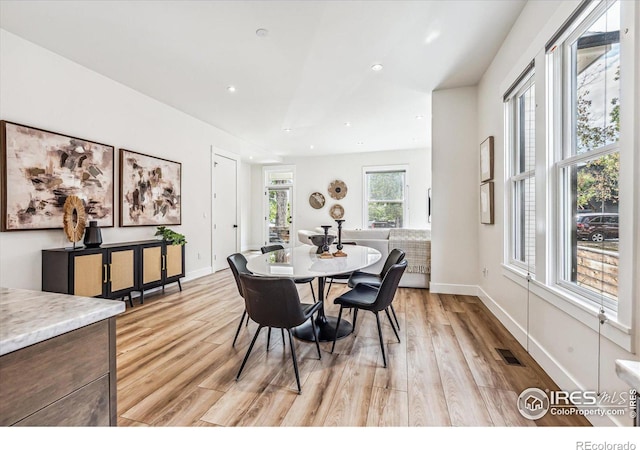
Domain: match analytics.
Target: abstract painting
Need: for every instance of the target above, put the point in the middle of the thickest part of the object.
(40, 169)
(149, 190)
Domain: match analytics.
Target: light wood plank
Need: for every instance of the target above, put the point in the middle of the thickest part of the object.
(466, 408)
(389, 408)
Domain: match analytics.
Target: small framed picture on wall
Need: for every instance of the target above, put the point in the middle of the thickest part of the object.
(486, 160)
(486, 202)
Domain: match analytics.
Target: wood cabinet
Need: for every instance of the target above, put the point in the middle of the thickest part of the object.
(160, 264)
(68, 380)
(112, 270)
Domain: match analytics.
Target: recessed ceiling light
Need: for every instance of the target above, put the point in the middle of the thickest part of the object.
(432, 36)
(262, 32)
(419, 117)
(376, 67)
(231, 88)
(250, 157)
(287, 130)
(347, 124)
(311, 147)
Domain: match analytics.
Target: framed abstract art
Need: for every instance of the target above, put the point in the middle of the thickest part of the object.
(150, 190)
(41, 168)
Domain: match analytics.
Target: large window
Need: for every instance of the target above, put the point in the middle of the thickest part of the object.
(385, 203)
(588, 156)
(520, 107)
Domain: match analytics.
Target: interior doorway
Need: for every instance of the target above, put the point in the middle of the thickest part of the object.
(225, 210)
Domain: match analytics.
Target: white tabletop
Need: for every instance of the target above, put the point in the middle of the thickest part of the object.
(303, 262)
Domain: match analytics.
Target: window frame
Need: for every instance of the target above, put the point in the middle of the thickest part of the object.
(562, 71)
(514, 176)
(365, 191)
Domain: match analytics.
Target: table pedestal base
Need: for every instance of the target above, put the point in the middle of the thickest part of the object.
(325, 327)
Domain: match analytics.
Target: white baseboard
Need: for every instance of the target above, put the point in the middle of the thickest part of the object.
(454, 289)
(198, 273)
(194, 274)
(549, 364)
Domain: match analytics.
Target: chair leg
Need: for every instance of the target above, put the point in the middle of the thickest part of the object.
(355, 317)
(384, 358)
(246, 357)
(393, 311)
(295, 360)
(315, 336)
(335, 335)
(282, 333)
(268, 338)
(329, 288)
(392, 325)
(239, 326)
(313, 294)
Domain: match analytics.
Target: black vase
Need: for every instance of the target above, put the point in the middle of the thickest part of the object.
(92, 235)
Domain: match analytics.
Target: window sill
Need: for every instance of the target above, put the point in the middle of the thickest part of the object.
(583, 311)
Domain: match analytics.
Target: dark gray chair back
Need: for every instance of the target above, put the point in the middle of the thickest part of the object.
(389, 286)
(272, 302)
(395, 256)
(238, 264)
(270, 248)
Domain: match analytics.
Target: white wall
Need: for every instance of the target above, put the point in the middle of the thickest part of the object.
(455, 195)
(316, 173)
(567, 348)
(44, 90)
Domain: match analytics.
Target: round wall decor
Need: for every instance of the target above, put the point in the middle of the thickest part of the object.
(316, 200)
(337, 189)
(74, 218)
(336, 211)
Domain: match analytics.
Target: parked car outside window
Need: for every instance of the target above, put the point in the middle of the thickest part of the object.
(597, 227)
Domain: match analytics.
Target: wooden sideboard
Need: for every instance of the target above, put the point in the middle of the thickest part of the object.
(112, 270)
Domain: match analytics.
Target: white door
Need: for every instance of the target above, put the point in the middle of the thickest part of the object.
(225, 211)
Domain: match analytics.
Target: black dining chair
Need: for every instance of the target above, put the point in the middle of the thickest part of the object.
(370, 298)
(395, 256)
(238, 264)
(274, 247)
(275, 303)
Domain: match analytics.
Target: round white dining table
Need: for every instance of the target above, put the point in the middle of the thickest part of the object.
(303, 262)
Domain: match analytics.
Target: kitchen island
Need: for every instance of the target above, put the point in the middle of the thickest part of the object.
(57, 359)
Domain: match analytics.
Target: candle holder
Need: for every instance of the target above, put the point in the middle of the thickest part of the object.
(325, 246)
(339, 253)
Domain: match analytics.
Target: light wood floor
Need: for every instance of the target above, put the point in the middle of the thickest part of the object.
(176, 366)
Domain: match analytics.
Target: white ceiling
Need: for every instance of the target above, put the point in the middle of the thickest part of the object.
(311, 73)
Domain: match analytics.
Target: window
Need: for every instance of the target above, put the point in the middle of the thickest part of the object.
(588, 155)
(385, 204)
(520, 108)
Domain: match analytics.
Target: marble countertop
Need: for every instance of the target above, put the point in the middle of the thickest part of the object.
(29, 317)
(629, 371)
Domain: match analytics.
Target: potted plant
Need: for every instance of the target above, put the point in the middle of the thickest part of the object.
(170, 236)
